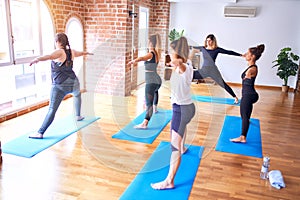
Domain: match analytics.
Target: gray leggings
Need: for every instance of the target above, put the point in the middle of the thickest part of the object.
(58, 92)
(182, 115)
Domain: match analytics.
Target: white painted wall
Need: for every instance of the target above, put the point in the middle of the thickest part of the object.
(276, 25)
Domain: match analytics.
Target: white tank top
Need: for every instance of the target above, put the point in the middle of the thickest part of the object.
(181, 85)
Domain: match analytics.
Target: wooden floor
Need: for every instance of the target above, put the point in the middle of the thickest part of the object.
(91, 165)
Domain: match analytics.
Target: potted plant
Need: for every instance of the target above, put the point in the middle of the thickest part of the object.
(286, 66)
(173, 35)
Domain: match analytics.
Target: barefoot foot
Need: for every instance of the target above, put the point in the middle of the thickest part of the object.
(79, 118)
(36, 136)
(162, 185)
(140, 126)
(240, 139)
(155, 109)
(236, 100)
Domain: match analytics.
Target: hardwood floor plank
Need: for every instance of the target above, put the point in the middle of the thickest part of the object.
(91, 165)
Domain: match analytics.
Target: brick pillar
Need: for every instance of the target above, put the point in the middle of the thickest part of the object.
(108, 34)
(105, 31)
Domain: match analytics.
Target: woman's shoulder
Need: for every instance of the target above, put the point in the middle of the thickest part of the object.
(254, 66)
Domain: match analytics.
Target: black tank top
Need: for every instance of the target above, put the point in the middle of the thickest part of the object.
(151, 64)
(248, 83)
(62, 71)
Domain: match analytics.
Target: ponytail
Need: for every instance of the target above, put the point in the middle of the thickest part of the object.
(62, 38)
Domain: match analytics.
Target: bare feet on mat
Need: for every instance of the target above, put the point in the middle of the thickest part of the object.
(240, 139)
(36, 136)
(236, 100)
(140, 126)
(155, 109)
(79, 118)
(162, 185)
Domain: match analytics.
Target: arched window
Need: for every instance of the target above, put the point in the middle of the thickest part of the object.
(74, 31)
(27, 32)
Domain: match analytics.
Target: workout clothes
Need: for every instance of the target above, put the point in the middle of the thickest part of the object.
(248, 84)
(182, 105)
(153, 83)
(151, 75)
(209, 68)
(249, 97)
(62, 71)
(180, 86)
(64, 81)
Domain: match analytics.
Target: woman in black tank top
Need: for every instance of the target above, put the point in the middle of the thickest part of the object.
(64, 80)
(152, 79)
(249, 94)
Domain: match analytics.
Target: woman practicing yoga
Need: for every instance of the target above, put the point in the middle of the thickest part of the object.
(249, 94)
(210, 52)
(183, 107)
(153, 80)
(64, 80)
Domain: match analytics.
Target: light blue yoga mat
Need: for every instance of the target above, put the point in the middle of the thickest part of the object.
(156, 169)
(210, 99)
(58, 130)
(232, 129)
(156, 124)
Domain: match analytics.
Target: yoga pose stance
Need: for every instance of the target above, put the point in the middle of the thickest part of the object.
(182, 105)
(153, 80)
(249, 94)
(210, 52)
(64, 80)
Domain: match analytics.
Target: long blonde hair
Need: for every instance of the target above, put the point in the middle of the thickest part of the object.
(156, 42)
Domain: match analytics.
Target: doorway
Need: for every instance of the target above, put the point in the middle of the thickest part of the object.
(143, 42)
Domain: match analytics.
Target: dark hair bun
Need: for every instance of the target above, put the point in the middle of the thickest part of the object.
(261, 48)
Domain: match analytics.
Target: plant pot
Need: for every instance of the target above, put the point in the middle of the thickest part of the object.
(285, 88)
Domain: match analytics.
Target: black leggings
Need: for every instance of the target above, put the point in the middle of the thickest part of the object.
(215, 75)
(246, 108)
(151, 95)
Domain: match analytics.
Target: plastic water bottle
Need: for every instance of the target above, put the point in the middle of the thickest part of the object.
(265, 168)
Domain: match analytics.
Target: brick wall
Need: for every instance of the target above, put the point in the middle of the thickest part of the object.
(108, 34)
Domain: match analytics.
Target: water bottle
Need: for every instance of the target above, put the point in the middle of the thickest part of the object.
(265, 168)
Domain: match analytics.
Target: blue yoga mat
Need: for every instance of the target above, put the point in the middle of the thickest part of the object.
(211, 99)
(232, 129)
(156, 124)
(58, 130)
(157, 168)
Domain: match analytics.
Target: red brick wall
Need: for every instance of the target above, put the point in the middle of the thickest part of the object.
(108, 34)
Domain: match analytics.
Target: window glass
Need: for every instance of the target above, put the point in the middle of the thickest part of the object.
(47, 29)
(24, 28)
(4, 47)
(74, 32)
(20, 84)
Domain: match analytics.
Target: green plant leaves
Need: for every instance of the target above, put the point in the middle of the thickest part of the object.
(286, 64)
(175, 35)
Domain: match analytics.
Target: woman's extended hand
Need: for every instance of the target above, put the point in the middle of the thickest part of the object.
(131, 62)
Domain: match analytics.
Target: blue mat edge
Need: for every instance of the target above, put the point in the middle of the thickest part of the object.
(46, 147)
(211, 99)
(220, 149)
(163, 143)
(148, 140)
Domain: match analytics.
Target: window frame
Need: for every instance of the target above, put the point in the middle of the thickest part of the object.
(11, 50)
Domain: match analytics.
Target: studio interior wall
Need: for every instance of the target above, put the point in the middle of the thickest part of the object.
(274, 25)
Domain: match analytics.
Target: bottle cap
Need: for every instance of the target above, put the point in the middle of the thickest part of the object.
(266, 159)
